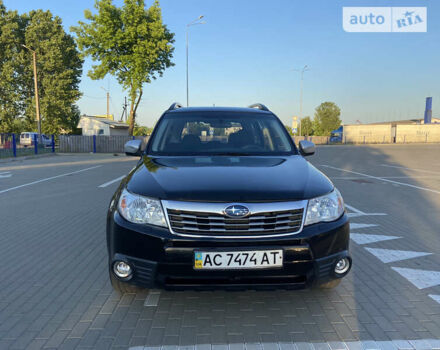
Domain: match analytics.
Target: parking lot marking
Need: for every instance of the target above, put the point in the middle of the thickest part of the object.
(152, 298)
(355, 215)
(355, 225)
(420, 278)
(412, 169)
(354, 209)
(361, 238)
(383, 179)
(358, 212)
(112, 181)
(48, 178)
(5, 174)
(391, 255)
(435, 297)
(351, 178)
(93, 161)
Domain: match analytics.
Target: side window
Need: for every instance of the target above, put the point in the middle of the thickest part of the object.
(101, 132)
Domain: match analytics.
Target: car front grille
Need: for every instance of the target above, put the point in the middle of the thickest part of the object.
(215, 224)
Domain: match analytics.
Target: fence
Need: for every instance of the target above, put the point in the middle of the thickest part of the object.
(425, 133)
(96, 144)
(368, 133)
(391, 133)
(12, 145)
(115, 144)
(317, 140)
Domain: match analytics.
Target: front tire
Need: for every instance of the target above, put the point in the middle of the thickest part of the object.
(123, 287)
(330, 285)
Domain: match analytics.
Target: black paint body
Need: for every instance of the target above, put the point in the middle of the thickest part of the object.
(165, 260)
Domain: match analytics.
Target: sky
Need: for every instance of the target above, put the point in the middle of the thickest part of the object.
(251, 50)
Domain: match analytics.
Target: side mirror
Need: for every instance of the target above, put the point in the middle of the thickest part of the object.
(133, 148)
(306, 148)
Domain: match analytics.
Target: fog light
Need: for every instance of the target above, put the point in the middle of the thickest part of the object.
(342, 266)
(122, 269)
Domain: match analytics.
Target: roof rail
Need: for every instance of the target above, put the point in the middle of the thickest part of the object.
(175, 105)
(259, 106)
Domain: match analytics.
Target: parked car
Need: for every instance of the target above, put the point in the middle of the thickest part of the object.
(46, 140)
(27, 139)
(239, 207)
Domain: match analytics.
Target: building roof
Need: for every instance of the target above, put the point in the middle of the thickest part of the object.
(113, 124)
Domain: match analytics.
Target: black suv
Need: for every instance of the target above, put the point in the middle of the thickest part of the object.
(222, 198)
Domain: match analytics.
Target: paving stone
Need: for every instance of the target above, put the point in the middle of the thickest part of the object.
(60, 297)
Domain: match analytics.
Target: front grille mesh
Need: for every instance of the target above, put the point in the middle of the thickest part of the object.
(201, 223)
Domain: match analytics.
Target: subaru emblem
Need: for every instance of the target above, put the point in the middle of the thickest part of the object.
(236, 211)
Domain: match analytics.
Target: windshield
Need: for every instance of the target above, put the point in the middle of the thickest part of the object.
(220, 134)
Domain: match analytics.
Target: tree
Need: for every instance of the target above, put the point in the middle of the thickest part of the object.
(59, 70)
(289, 130)
(306, 126)
(141, 130)
(326, 118)
(11, 94)
(128, 42)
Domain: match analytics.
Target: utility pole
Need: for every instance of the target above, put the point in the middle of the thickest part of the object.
(108, 105)
(124, 110)
(304, 69)
(37, 101)
(196, 21)
(108, 101)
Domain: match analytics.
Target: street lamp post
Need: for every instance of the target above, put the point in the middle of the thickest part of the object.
(37, 102)
(304, 69)
(196, 21)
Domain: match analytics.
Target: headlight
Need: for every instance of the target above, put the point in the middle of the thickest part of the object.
(141, 210)
(326, 208)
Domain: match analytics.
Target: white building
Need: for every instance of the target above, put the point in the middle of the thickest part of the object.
(101, 125)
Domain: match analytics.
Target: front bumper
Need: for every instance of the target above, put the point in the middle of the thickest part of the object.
(161, 259)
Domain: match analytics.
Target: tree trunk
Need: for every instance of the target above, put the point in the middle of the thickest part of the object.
(131, 119)
(133, 108)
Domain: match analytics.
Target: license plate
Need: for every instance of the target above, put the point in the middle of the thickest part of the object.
(255, 259)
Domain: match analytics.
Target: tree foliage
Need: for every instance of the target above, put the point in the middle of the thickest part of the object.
(59, 68)
(128, 42)
(306, 126)
(141, 130)
(326, 118)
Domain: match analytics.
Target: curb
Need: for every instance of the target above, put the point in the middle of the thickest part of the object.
(15, 159)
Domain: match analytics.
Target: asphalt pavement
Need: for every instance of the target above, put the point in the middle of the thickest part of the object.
(55, 293)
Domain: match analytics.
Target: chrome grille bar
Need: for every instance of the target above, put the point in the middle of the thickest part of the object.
(199, 219)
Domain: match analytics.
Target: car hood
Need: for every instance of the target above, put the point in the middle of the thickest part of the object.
(227, 179)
